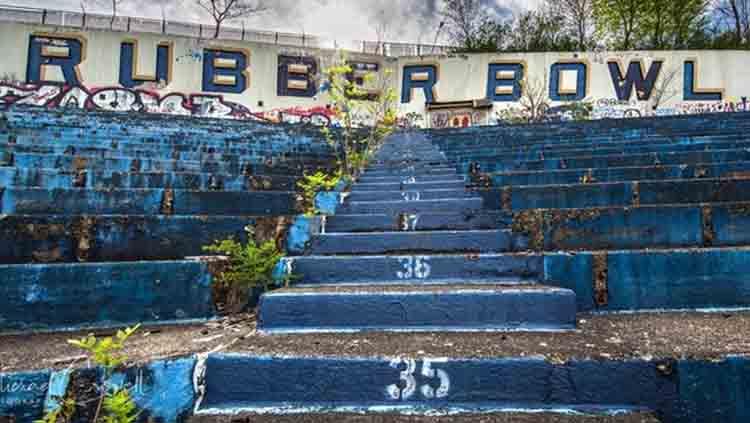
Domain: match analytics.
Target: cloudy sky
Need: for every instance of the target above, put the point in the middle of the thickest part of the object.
(409, 20)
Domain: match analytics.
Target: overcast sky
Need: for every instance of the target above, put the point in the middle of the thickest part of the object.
(410, 20)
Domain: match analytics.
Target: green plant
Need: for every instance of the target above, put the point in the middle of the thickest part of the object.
(62, 414)
(120, 408)
(311, 185)
(250, 265)
(366, 116)
(104, 352)
(117, 404)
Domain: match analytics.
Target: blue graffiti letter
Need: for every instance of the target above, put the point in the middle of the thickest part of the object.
(501, 86)
(420, 76)
(644, 85)
(129, 77)
(52, 50)
(693, 93)
(224, 71)
(295, 76)
(556, 93)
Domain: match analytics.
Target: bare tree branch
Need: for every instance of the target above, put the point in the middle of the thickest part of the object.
(223, 10)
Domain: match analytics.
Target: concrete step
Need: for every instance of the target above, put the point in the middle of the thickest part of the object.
(620, 174)
(56, 178)
(453, 184)
(621, 194)
(470, 269)
(44, 297)
(408, 180)
(584, 149)
(246, 383)
(652, 362)
(625, 228)
(410, 193)
(511, 415)
(713, 157)
(423, 242)
(446, 205)
(121, 164)
(411, 171)
(145, 202)
(102, 238)
(418, 222)
(417, 309)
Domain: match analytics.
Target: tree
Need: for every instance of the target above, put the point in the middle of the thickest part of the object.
(577, 17)
(538, 31)
(223, 10)
(356, 139)
(619, 19)
(469, 25)
(736, 13)
(672, 24)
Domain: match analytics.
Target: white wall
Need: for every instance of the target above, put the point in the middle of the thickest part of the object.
(460, 77)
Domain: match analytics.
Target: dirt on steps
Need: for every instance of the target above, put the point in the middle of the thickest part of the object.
(645, 336)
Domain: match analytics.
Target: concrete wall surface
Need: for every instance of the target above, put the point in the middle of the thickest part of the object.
(220, 78)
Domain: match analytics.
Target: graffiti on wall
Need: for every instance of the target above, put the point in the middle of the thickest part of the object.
(458, 119)
(119, 99)
(612, 108)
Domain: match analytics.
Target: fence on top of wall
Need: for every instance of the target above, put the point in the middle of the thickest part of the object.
(81, 20)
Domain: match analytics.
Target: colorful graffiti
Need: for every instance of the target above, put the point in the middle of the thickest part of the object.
(119, 99)
(612, 108)
(458, 119)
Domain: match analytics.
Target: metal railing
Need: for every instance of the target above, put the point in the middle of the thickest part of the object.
(81, 20)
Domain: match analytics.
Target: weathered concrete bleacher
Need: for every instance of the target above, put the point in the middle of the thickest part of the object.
(484, 274)
(84, 193)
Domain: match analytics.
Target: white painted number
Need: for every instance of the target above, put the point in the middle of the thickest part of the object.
(410, 222)
(408, 382)
(414, 267)
(411, 196)
(407, 386)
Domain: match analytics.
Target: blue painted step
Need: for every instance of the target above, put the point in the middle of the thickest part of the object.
(72, 296)
(618, 174)
(412, 207)
(408, 308)
(272, 385)
(408, 180)
(469, 269)
(418, 222)
(444, 184)
(492, 241)
(410, 193)
(152, 201)
(407, 171)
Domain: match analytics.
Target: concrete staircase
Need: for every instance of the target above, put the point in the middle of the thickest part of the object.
(484, 274)
(416, 258)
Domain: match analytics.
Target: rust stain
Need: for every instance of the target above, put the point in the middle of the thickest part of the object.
(506, 198)
(531, 224)
(601, 279)
(79, 163)
(736, 175)
(636, 194)
(47, 256)
(79, 178)
(588, 177)
(709, 233)
(272, 229)
(135, 165)
(83, 234)
(167, 202)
